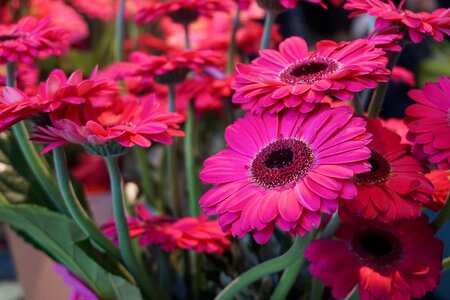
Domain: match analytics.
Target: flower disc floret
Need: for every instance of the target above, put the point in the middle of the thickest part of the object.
(284, 169)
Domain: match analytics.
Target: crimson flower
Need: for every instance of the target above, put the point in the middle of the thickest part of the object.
(284, 169)
(441, 182)
(434, 24)
(428, 122)
(31, 38)
(395, 188)
(293, 77)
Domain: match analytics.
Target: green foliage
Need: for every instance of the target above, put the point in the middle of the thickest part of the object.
(59, 236)
(437, 65)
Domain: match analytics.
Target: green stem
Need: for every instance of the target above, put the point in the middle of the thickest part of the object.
(376, 103)
(353, 295)
(316, 290)
(232, 48)
(444, 215)
(331, 227)
(147, 285)
(76, 209)
(446, 264)
(274, 265)
(357, 105)
(268, 23)
(3, 200)
(38, 165)
(187, 43)
(119, 32)
(189, 160)
(146, 178)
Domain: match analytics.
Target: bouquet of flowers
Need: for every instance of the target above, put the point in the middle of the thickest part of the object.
(305, 191)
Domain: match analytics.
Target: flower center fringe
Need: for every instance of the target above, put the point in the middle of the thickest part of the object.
(376, 247)
(10, 37)
(281, 162)
(380, 172)
(309, 70)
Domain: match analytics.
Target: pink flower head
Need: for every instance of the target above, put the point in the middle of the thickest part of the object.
(80, 291)
(434, 24)
(169, 68)
(284, 169)
(428, 122)
(26, 75)
(387, 39)
(395, 188)
(97, 9)
(398, 261)
(280, 5)
(180, 11)
(124, 123)
(248, 37)
(293, 77)
(441, 182)
(403, 75)
(31, 38)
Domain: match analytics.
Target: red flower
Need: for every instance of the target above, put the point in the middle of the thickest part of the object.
(396, 261)
(403, 75)
(127, 122)
(180, 11)
(31, 38)
(419, 24)
(428, 122)
(294, 77)
(284, 169)
(441, 182)
(395, 188)
(26, 75)
(248, 37)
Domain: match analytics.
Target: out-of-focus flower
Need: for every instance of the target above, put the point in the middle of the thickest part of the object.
(284, 169)
(434, 24)
(92, 173)
(295, 78)
(395, 188)
(402, 75)
(428, 122)
(80, 291)
(31, 38)
(387, 39)
(26, 75)
(280, 5)
(248, 37)
(180, 11)
(398, 261)
(441, 182)
(97, 9)
(126, 122)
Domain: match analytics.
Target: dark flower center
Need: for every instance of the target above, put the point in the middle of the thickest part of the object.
(184, 15)
(309, 70)
(380, 172)
(376, 247)
(281, 162)
(9, 37)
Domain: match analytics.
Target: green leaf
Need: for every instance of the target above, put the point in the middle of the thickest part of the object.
(58, 235)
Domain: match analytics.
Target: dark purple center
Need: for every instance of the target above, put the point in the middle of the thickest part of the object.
(380, 172)
(281, 162)
(9, 37)
(309, 70)
(376, 247)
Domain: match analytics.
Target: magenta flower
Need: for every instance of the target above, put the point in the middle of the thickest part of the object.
(284, 170)
(293, 77)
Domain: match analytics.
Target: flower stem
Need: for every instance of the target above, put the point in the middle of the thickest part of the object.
(3, 200)
(189, 160)
(274, 265)
(353, 295)
(119, 32)
(268, 23)
(76, 209)
(331, 227)
(187, 43)
(357, 105)
(146, 179)
(232, 48)
(316, 290)
(444, 215)
(38, 165)
(147, 284)
(446, 264)
(376, 103)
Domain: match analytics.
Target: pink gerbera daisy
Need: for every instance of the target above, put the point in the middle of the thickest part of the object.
(441, 182)
(395, 188)
(180, 11)
(434, 24)
(294, 77)
(124, 123)
(284, 170)
(30, 38)
(428, 122)
(281, 5)
(397, 261)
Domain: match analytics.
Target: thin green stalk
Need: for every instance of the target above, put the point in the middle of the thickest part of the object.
(376, 103)
(353, 295)
(146, 178)
(443, 216)
(38, 165)
(316, 290)
(171, 159)
(331, 227)
(268, 24)
(189, 160)
(232, 48)
(3, 200)
(357, 104)
(274, 265)
(446, 264)
(119, 32)
(147, 284)
(187, 43)
(76, 209)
